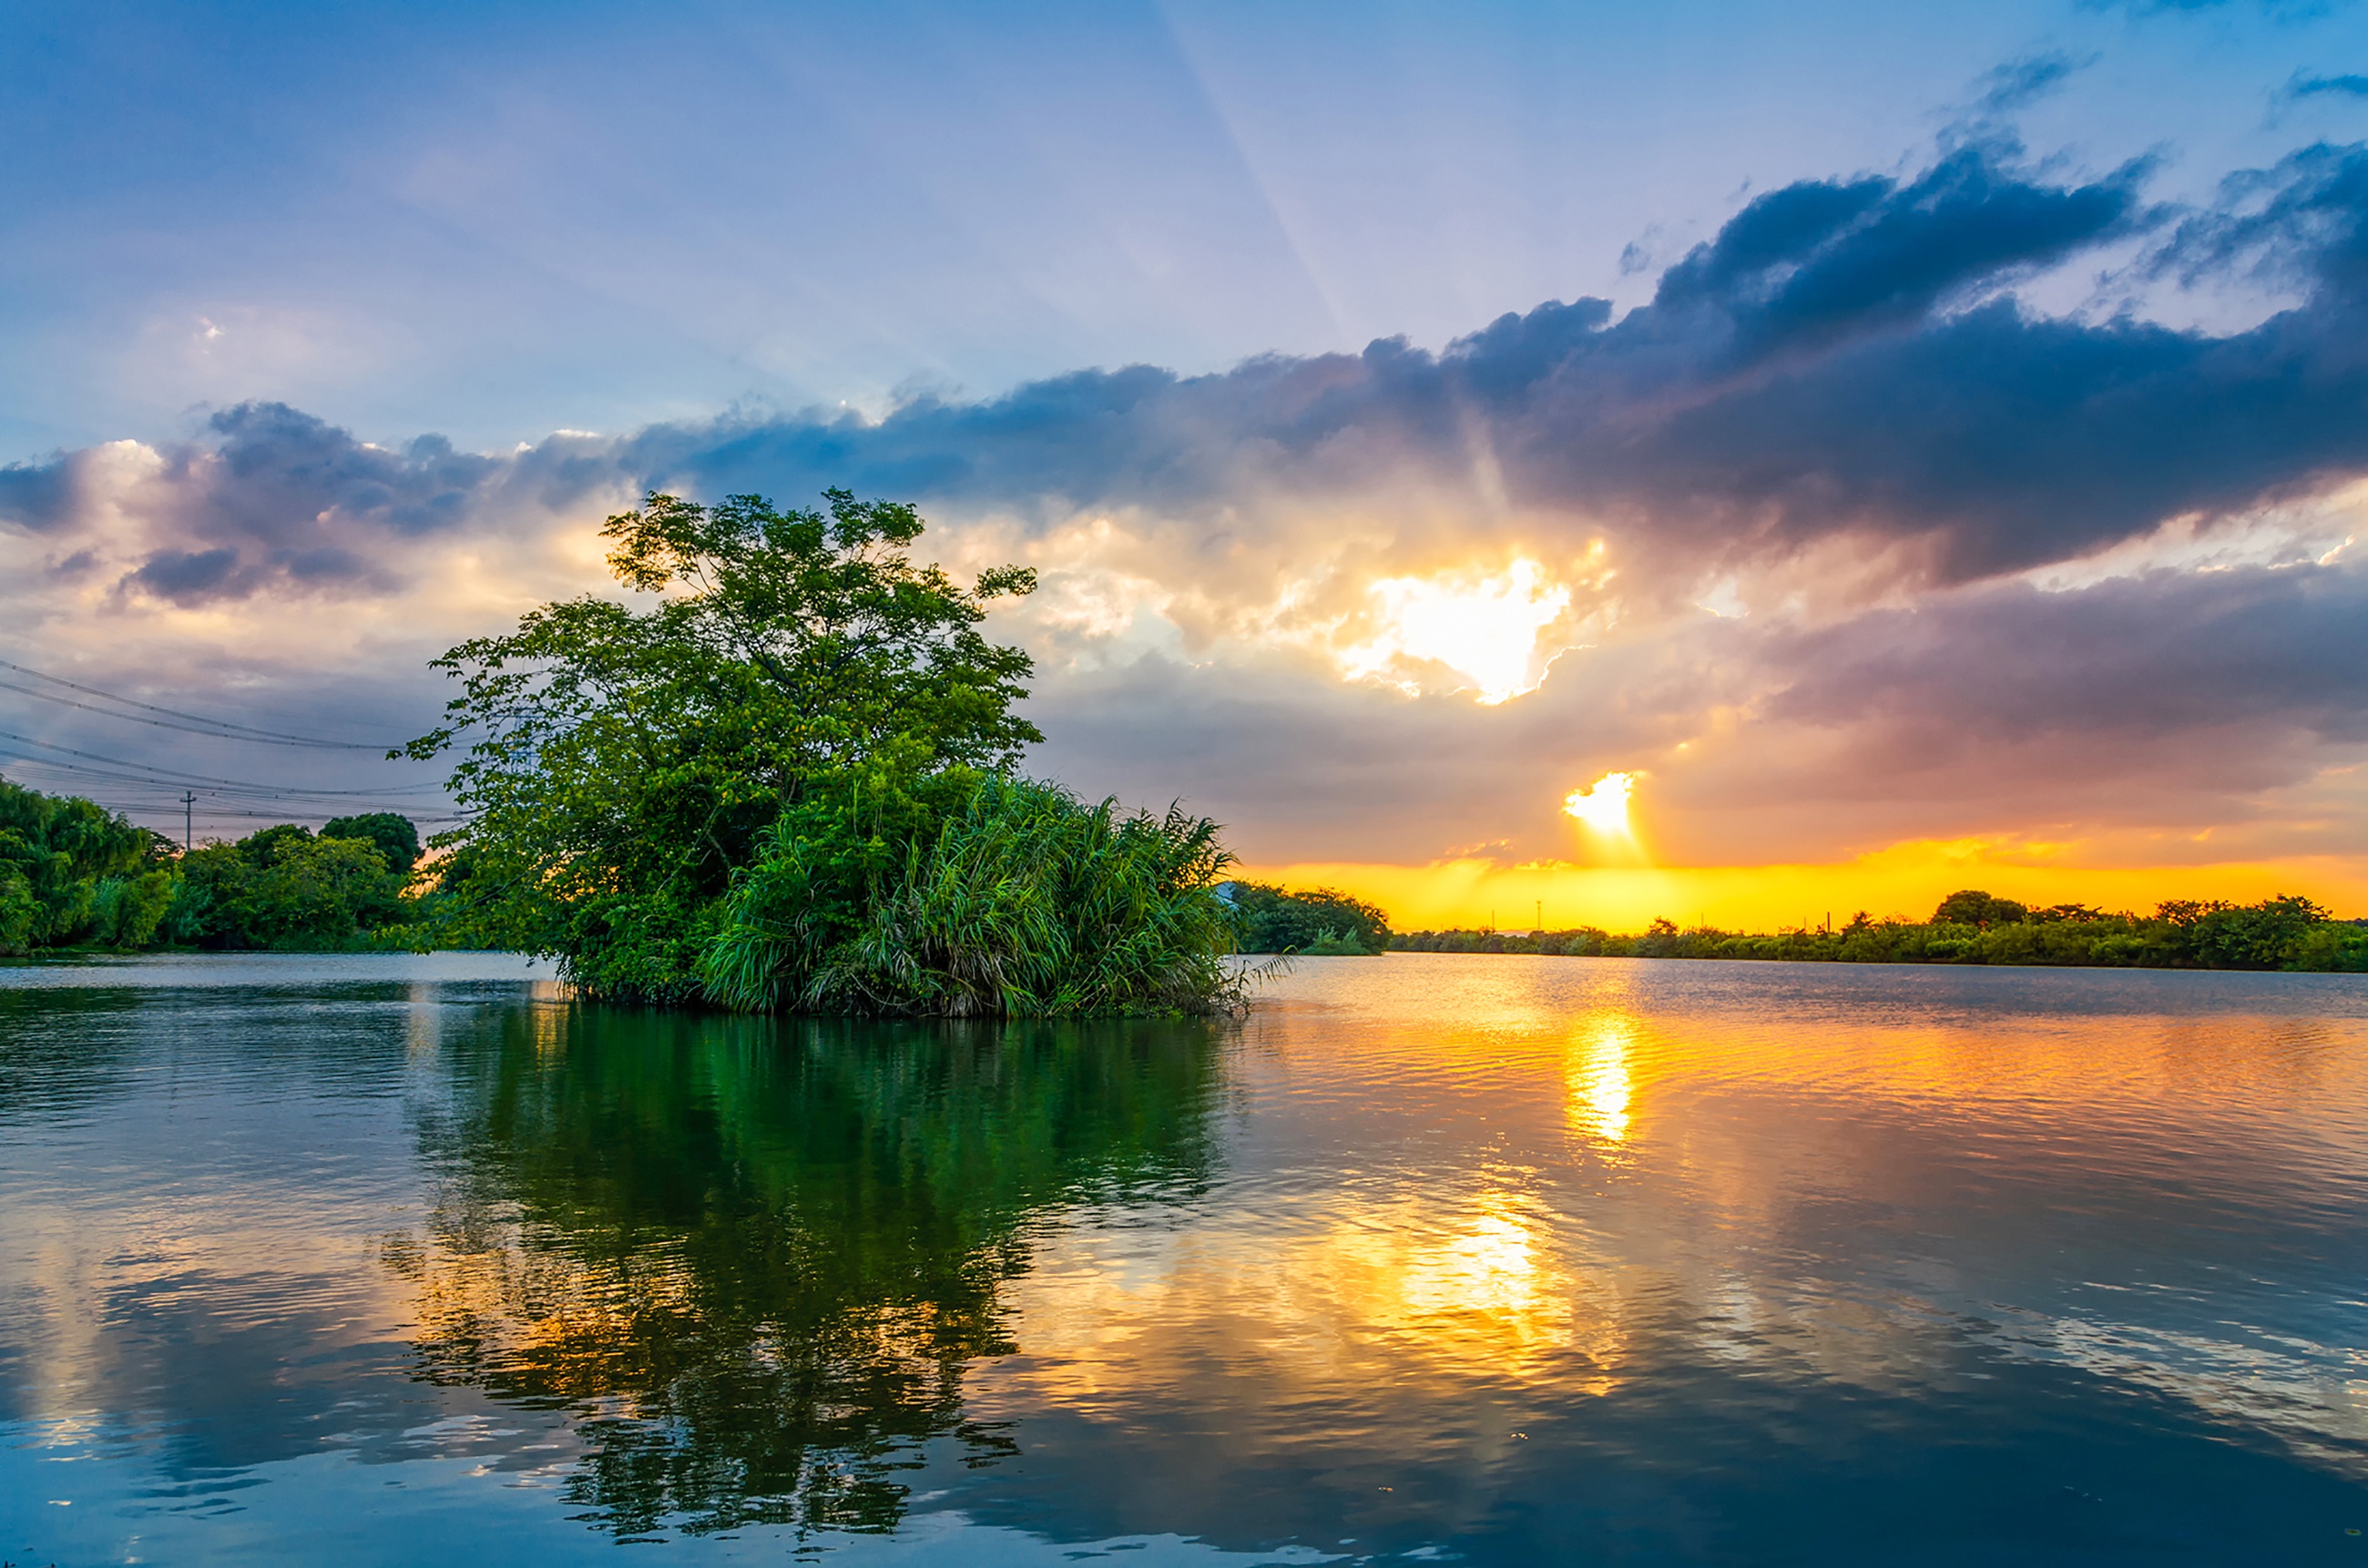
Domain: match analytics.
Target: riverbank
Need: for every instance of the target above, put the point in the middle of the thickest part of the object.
(2277, 934)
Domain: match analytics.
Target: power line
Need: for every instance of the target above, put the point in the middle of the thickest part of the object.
(222, 729)
(152, 782)
(119, 802)
(161, 795)
(164, 776)
(119, 799)
(200, 728)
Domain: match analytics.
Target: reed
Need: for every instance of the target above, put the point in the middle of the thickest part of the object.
(1024, 902)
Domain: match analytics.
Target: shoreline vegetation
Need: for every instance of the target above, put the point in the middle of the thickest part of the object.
(76, 879)
(1972, 928)
(1318, 923)
(75, 876)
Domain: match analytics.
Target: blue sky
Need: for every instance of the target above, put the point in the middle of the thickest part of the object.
(491, 221)
(1895, 436)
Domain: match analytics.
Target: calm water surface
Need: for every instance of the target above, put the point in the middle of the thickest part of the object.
(1489, 1260)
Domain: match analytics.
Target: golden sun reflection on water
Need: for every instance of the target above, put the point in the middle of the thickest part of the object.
(1374, 1296)
(1598, 1084)
(1631, 1150)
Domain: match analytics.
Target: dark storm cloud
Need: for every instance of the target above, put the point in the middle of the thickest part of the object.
(275, 497)
(1821, 263)
(284, 497)
(36, 495)
(1841, 358)
(2162, 654)
(188, 576)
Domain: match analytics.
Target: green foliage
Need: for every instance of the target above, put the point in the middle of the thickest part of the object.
(626, 764)
(2334, 946)
(1268, 919)
(2278, 933)
(1023, 901)
(322, 894)
(265, 846)
(72, 873)
(1972, 906)
(396, 839)
(128, 910)
(284, 888)
(2268, 934)
(787, 785)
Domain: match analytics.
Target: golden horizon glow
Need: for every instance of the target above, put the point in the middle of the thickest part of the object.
(1483, 627)
(1905, 879)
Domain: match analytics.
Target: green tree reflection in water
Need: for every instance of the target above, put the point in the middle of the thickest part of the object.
(754, 1256)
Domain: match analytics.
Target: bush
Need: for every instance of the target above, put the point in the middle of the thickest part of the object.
(1025, 901)
(282, 887)
(1343, 944)
(1270, 919)
(65, 866)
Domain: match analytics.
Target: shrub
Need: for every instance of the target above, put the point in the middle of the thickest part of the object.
(1025, 901)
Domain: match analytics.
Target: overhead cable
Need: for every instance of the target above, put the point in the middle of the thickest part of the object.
(173, 718)
(164, 776)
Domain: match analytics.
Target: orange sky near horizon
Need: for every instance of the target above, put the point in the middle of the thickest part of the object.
(1906, 879)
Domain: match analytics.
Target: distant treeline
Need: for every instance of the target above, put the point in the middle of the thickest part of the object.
(1972, 928)
(74, 875)
(1319, 923)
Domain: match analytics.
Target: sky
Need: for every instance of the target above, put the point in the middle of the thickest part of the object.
(1579, 462)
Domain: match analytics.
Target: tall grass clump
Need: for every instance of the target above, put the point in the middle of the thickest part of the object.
(1022, 902)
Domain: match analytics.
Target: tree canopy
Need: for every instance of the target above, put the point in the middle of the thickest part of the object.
(286, 887)
(71, 871)
(1971, 927)
(396, 837)
(750, 782)
(73, 874)
(1318, 921)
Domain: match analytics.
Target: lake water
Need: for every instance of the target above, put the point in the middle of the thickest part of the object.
(1433, 1258)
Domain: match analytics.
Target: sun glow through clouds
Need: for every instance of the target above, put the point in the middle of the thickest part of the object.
(1604, 805)
(1485, 628)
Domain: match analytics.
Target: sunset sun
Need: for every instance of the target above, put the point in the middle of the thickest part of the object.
(1603, 806)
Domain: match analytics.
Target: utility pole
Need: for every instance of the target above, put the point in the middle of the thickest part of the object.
(1541, 926)
(188, 809)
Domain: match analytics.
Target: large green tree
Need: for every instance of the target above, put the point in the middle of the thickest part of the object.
(396, 837)
(622, 763)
